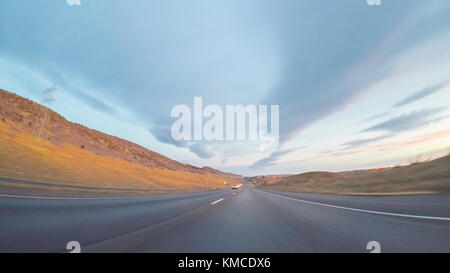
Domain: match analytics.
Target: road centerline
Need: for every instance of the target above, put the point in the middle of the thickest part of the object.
(217, 201)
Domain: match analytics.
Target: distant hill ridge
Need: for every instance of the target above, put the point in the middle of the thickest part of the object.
(422, 177)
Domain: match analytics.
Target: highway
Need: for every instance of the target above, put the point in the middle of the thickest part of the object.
(247, 220)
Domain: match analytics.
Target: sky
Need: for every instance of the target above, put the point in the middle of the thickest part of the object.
(358, 86)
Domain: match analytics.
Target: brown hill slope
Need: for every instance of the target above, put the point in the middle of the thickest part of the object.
(36, 143)
(425, 177)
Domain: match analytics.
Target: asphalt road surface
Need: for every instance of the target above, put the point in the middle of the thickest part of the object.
(247, 220)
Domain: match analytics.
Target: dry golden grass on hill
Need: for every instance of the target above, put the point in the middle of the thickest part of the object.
(41, 121)
(424, 177)
(28, 157)
(38, 144)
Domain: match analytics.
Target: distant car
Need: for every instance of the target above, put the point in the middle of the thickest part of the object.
(235, 187)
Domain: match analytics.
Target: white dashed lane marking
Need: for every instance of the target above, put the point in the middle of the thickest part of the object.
(217, 201)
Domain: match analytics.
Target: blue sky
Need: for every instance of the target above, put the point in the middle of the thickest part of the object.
(358, 86)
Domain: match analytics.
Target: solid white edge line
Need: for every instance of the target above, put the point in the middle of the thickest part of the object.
(217, 201)
(68, 198)
(363, 210)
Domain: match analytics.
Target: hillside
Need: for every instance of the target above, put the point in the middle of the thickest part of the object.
(38, 144)
(264, 179)
(424, 177)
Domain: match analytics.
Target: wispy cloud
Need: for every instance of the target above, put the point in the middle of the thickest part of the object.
(161, 132)
(413, 142)
(201, 150)
(271, 159)
(422, 93)
(412, 120)
(374, 117)
(364, 141)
